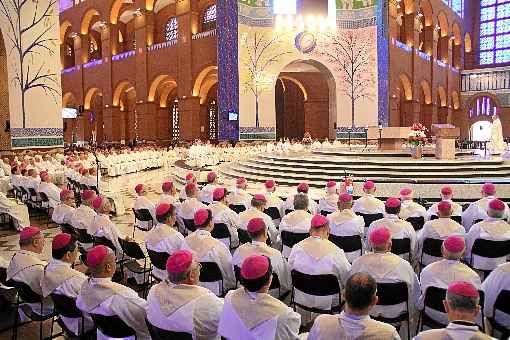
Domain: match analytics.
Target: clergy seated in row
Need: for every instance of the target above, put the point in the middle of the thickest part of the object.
(100, 296)
(190, 179)
(206, 194)
(354, 321)
(189, 207)
(386, 267)
(258, 205)
(26, 267)
(446, 194)
(316, 255)
(222, 214)
(438, 229)
(409, 208)
(442, 273)
(169, 194)
(32, 180)
(106, 190)
(297, 221)
(497, 282)
(368, 203)
(477, 210)
(59, 278)
(494, 228)
(102, 226)
(400, 229)
(250, 313)
(328, 203)
(164, 238)
(17, 211)
(239, 197)
(142, 202)
(51, 191)
(462, 306)
(344, 222)
(179, 304)
(63, 212)
(302, 189)
(207, 249)
(83, 216)
(273, 201)
(258, 232)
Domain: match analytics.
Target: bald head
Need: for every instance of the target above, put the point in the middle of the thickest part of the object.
(106, 268)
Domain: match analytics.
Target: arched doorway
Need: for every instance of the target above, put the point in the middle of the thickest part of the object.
(305, 100)
(480, 131)
(206, 88)
(5, 136)
(124, 98)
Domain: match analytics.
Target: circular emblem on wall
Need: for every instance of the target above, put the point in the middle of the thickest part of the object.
(305, 42)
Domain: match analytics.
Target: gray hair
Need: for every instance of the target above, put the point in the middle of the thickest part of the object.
(177, 278)
(462, 303)
(300, 202)
(495, 213)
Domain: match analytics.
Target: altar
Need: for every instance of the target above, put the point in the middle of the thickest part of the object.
(390, 138)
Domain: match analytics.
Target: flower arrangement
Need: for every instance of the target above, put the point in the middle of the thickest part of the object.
(418, 135)
(307, 138)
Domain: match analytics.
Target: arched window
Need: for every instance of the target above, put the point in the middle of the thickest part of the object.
(456, 5)
(171, 29)
(213, 120)
(209, 19)
(174, 114)
(494, 32)
(482, 106)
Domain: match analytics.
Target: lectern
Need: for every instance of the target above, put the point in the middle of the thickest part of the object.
(446, 134)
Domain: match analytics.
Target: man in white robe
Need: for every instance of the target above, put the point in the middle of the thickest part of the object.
(477, 211)
(178, 304)
(258, 205)
(494, 228)
(63, 213)
(316, 255)
(443, 272)
(250, 313)
(462, 305)
(190, 179)
(297, 221)
(258, 233)
(169, 194)
(438, 229)
(239, 196)
(497, 143)
(273, 201)
(344, 222)
(61, 279)
(446, 195)
(302, 188)
(409, 208)
(83, 216)
(386, 267)
(99, 295)
(187, 209)
(142, 202)
(207, 249)
(496, 282)
(17, 211)
(354, 322)
(368, 203)
(224, 215)
(328, 203)
(49, 189)
(206, 194)
(163, 238)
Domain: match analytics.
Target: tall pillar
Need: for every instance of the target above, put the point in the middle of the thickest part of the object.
(189, 118)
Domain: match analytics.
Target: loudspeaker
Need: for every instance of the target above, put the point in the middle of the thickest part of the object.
(7, 126)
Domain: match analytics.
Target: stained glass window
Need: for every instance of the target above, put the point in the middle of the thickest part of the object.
(483, 106)
(213, 119)
(174, 112)
(171, 29)
(456, 5)
(209, 19)
(494, 31)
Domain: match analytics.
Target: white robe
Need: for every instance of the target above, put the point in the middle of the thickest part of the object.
(62, 214)
(163, 239)
(497, 143)
(296, 222)
(399, 229)
(246, 216)
(52, 192)
(223, 214)
(18, 212)
(490, 229)
(497, 281)
(102, 226)
(187, 211)
(347, 223)
(478, 211)
(453, 331)
(142, 202)
(368, 204)
(432, 211)
(328, 203)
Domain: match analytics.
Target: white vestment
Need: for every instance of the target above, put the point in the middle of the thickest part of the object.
(490, 229)
(497, 281)
(163, 239)
(18, 212)
(347, 223)
(497, 143)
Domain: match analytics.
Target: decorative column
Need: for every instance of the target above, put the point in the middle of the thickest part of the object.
(382, 61)
(142, 115)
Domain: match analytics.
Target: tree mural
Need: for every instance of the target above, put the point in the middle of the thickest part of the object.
(31, 25)
(351, 53)
(259, 54)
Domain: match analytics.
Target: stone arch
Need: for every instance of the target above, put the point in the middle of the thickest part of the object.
(442, 99)
(455, 100)
(162, 78)
(204, 81)
(427, 12)
(409, 6)
(158, 5)
(298, 84)
(87, 19)
(64, 28)
(427, 93)
(119, 89)
(68, 98)
(442, 21)
(468, 47)
(456, 34)
(89, 95)
(405, 82)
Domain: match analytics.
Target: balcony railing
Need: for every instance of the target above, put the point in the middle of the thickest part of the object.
(70, 69)
(201, 35)
(123, 55)
(162, 45)
(485, 80)
(93, 63)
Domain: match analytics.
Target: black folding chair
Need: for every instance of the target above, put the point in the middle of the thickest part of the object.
(25, 196)
(369, 218)
(457, 219)
(431, 247)
(417, 222)
(238, 208)
(66, 307)
(189, 225)
(390, 294)
(35, 200)
(478, 221)
(158, 260)
(25, 296)
(45, 206)
(501, 305)
(288, 211)
(289, 239)
(9, 316)
(489, 249)
(275, 282)
(401, 246)
(210, 272)
(221, 232)
(68, 229)
(142, 215)
(131, 254)
(326, 213)
(348, 244)
(243, 235)
(273, 212)
(112, 326)
(316, 285)
(84, 237)
(162, 334)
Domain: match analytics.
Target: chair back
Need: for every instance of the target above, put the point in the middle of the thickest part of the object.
(289, 239)
(65, 306)
(158, 259)
(288, 211)
(131, 249)
(143, 215)
(32, 192)
(69, 229)
(273, 212)
(432, 247)
(434, 297)
(24, 291)
(220, 231)
(189, 224)
(238, 208)
(392, 293)
(325, 212)
(502, 300)
(112, 326)
(348, 244)
(417, 222)
(316, 285)
(43, 196)
(369, 218)
(101, 240)
(210, 272)
(162, 334)
(477, 221)
(400, 246)
(491, 249)
(457, 219)
(84, 237)
(243, 235)
(275, 282)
